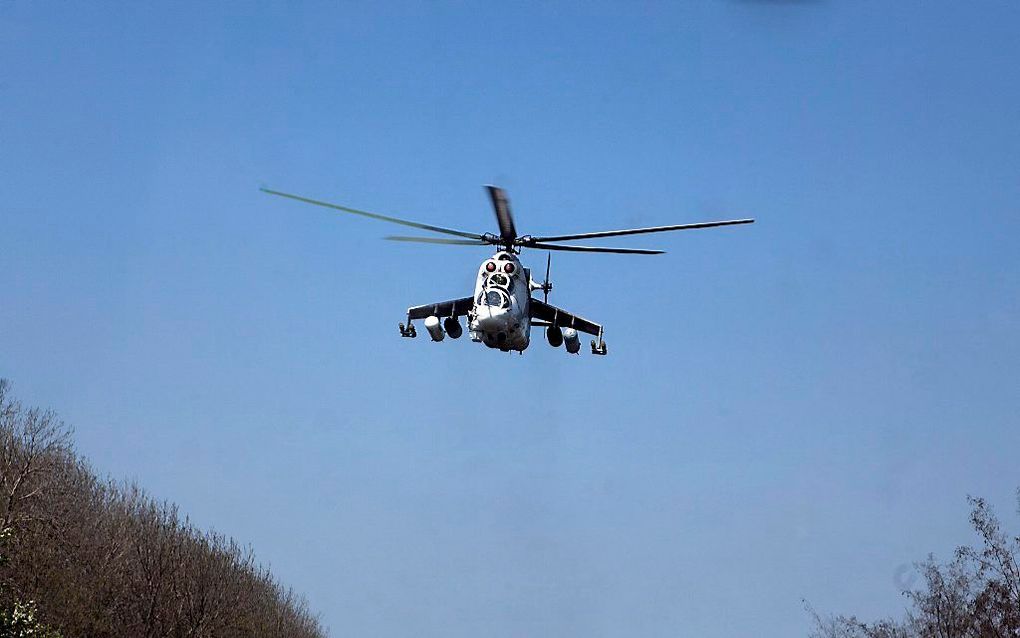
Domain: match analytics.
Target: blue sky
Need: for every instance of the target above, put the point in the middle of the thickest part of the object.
(790, 410)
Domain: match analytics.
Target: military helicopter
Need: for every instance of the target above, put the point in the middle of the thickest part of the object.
(501, 312)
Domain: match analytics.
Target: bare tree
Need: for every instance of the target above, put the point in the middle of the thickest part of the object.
(975, 595)
(104, 559)
(32, 442)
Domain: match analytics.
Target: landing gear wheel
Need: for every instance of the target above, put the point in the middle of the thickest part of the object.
(599, 349)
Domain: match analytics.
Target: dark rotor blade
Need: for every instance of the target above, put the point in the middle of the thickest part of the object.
(437, 240)
(385, 218)
(501, 205)
(651, 229)
(593, 249)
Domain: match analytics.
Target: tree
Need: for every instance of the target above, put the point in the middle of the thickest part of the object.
(19, 621)
(104, 559)
(32, 443)
(975, 595)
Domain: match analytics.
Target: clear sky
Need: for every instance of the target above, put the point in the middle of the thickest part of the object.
(790, 410)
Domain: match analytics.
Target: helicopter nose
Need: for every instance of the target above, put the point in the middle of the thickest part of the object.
(492, 321)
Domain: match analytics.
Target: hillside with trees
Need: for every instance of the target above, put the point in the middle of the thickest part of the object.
(83, 555)
(974, 595)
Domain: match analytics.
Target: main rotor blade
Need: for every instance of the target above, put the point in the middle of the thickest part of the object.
(437, 240)
(651, 229)
(504, 218)
(593, 249)
(385, 218)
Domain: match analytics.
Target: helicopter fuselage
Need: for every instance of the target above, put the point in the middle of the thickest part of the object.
(500, 317)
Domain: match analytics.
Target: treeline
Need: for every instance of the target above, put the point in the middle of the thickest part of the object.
(87, 556)
(975, 595)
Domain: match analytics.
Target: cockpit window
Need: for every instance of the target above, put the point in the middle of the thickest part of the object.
(493, 298)
(503, 257)
(501, 280)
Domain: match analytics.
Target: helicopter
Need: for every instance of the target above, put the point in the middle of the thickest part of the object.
(502, 311)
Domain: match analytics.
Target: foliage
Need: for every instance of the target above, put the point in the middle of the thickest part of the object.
(975, 595)
(20, 620)
(104, 559)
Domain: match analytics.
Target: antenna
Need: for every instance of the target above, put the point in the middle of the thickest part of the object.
(546, 287)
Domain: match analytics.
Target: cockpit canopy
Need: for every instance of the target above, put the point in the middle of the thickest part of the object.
(494, 298)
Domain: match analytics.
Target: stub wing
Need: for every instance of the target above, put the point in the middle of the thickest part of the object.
(453, 308)
(562, 319)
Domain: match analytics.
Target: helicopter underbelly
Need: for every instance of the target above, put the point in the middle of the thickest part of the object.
(503, 330)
